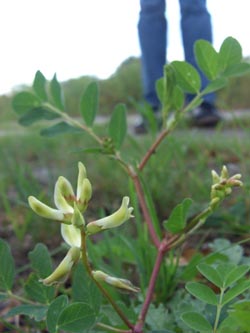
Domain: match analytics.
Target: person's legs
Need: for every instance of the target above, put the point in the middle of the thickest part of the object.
(152, 27)
(196, 24)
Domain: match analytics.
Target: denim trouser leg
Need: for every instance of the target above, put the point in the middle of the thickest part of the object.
(152, 28)
(195, 24)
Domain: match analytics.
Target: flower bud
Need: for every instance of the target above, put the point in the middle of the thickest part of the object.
(64, 195)
(60, 273)
(121, 284)
(215, 177)
(84, 194)
(45, 211)
(224, 172)
(234, 182)
(214, 203)
(71, 235)
(82, 174)
(112, 221)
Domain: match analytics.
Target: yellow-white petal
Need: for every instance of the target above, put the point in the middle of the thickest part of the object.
(112, 221)
(64, 195)
(71, 235)
(82, 174)
(45, 211)
(64, 268)
(122, 284)
(84, 195)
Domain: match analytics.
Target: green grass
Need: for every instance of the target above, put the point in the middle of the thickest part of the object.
(30, 165)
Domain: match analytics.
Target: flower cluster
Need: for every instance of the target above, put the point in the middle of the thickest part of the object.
(222, 186)
(68, 212)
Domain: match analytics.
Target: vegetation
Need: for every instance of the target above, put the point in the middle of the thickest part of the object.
(125, 86)
(163, 249)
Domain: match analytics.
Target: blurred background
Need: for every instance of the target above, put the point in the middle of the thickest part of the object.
(92, 37)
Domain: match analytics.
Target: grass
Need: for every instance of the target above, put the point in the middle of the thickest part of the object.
(30, 164)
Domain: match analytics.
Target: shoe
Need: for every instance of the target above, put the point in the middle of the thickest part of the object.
(144, 124)
(141, 127)
(206, 115)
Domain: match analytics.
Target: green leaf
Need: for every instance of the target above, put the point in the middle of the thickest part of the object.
(237, 70)
(54, 311)
(240, 313)
(196, 321)
(202, 292)
(177, 219)
(159, 86)
(230, 53)
(118, 125)
(56, 93)
(224, 269)
(171, 96)
(89, 103)
(59, 128)
(236, 274)
(178, 98)
(36, 114)
(211, 274)
(37, 291)
(235, 291)
(187, 77)
(37, 312)
(76, 317)
(7, 266)
(39, 86)
(215, 85)
(41, 260)
(156, 317)
(24, 101)
(84, 290)
(207, 58)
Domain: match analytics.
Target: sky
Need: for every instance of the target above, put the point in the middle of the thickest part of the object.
(93, 37)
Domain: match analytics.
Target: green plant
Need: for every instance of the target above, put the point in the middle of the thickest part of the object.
(64, 308)
(231, 281)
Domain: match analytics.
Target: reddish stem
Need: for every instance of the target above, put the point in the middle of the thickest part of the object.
(141, 319)
(153, 148)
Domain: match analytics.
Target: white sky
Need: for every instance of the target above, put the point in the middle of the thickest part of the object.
(92, 37)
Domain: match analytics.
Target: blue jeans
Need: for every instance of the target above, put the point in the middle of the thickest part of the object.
(152, 29)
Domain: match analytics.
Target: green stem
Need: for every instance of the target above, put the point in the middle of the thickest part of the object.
(218, 312)
(112, 329)
(73, 121)
(100, 287)
(18, 298)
